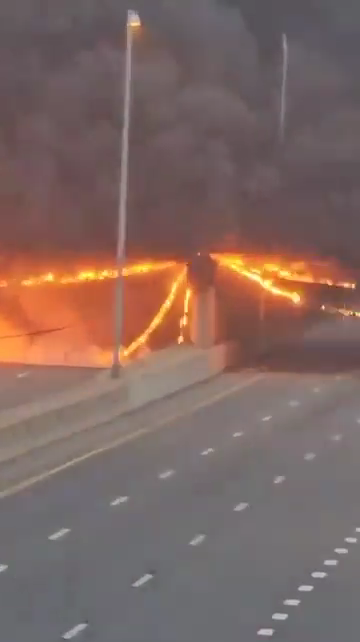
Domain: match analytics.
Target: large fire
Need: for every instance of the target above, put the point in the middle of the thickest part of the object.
(88, 275)
(238, 266)
(269, 275)
(298, 272)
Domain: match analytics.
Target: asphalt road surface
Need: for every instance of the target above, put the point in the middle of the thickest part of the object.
(238, 521)
(20, 384)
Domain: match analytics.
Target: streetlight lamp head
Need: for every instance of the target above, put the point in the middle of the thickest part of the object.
(133, 19)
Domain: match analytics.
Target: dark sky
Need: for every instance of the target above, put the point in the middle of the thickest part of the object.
(205, 168)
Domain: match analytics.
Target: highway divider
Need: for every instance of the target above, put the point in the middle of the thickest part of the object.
(38, 424)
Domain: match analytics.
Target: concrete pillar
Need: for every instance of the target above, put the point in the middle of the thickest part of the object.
(203, 312)
(203, 318)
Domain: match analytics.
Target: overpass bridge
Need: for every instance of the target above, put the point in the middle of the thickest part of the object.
(65, 317)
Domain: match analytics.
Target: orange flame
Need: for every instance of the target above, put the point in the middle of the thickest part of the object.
(184, 320)
(298, 273)
(158, 318)
(267, 284)
(85, 276)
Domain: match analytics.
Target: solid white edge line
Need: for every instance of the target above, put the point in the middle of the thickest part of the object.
(79, 628)
(142, 580)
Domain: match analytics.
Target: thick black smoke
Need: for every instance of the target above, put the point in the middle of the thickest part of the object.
(205, 168)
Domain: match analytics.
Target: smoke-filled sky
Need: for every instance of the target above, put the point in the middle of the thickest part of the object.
(205, 168)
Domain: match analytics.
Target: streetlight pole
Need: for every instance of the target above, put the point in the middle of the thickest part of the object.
(261, 338)
(133, 21)
(283, 97)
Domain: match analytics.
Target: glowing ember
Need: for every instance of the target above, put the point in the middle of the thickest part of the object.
(184, 320)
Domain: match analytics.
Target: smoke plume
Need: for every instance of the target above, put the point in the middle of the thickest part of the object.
(205, 166)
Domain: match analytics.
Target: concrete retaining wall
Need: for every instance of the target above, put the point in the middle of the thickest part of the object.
(160, 375)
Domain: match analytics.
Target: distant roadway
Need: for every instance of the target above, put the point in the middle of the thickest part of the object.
(20, 383)
(238, 520)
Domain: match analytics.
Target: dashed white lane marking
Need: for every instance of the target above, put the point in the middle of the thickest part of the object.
(280, 479)
(291, 602)
(331, 562)
(119, 500)
(358, 421)
(306, 588)
(241, 506)
(197, 540)
(238, 434)
(131, 437)
(59, 534)
(294, 403)
(208, 451)
(79, 628)
(166, 474)
(341, 551)
(267, 633)
(21, 375)
(309, 456)
(143, 580)
(351, 540)
(357, 530)
(316, 390)
(336, 437)
(267, 418)
(280, 616)
(3, 568)
(318, 575)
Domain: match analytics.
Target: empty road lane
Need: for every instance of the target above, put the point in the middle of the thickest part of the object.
(237, 521)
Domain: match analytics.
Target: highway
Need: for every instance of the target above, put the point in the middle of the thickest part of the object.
(238, 520)
(21, 383)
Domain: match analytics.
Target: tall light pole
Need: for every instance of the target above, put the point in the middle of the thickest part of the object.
(133, 22)
(283, 96)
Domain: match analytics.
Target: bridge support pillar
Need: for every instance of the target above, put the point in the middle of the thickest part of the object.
(203, 310)
(203, 318)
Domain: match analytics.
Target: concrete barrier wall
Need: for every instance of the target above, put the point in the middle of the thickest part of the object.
(191, 367)
(160, 375)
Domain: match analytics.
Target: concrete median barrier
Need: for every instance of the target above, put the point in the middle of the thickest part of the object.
(36, 425)
(180, 369)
